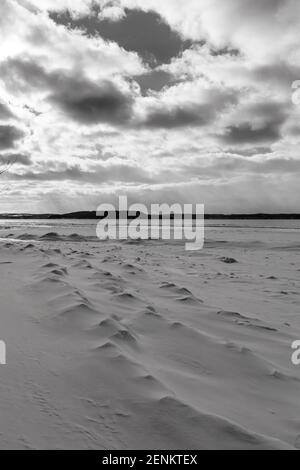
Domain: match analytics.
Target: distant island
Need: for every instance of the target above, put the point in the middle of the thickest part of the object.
(93, 215)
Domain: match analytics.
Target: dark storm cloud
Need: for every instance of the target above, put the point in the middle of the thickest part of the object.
(12, 158)
(143, 32)
(88, 103)
(154, 80)
(83, 100)
(5, 112)
(9, 135)
(270, 118)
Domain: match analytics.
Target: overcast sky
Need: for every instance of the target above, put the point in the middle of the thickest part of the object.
(162, 100)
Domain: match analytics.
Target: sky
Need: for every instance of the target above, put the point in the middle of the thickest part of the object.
(173, 101)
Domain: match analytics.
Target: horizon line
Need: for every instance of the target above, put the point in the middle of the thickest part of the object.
(92, 215)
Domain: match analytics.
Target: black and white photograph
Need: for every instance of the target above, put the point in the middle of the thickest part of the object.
(149, 227)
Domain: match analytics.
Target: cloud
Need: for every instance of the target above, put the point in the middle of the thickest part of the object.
(9, 136)
(176, 109)
(234, 165)
(81, 99)
(89, 104)
(95, 174)
(143, 32)
(75, 6)
(259, 122)
(250, 152)
(154, 80)
(179, 117)
(12, 158)
(5, 112)
(246, 133)
(279, 73)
